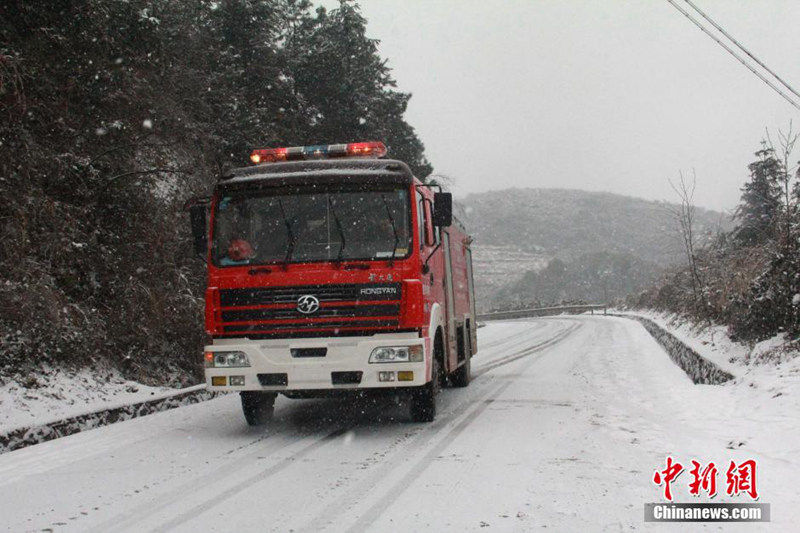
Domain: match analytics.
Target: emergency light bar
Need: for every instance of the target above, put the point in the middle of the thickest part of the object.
(275, 155)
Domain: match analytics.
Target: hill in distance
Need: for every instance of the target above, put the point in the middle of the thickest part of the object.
(517, 231)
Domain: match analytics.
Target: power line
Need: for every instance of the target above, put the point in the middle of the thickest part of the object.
(741, 47)
(734, 54)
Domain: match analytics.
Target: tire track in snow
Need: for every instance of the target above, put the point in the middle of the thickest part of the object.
(515, 341)
(148, 509)
(225, 495)
(491, 365)
(374, 512)
(422, 439)
(524, 334)
(442, 433)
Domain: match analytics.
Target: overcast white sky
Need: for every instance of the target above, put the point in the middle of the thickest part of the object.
(604, 95)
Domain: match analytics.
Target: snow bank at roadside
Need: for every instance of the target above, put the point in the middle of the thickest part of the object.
(713, 343)
(766, 374)
(55, 395)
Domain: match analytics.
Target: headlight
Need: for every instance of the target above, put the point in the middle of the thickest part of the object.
(396, 354)
(226, 360)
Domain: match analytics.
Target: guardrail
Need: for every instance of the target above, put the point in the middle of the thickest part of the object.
(543, 311)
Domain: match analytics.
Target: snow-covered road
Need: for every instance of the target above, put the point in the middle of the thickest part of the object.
(562, 428)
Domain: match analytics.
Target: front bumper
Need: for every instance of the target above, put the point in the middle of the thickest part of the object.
(346, 356)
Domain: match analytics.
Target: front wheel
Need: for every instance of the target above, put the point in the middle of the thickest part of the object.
(258, 407)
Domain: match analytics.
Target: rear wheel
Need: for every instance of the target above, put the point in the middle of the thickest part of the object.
(423, 400)
(463, 374)
(258, 406)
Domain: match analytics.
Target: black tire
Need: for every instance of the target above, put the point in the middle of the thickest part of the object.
(423, 400)
(258, 407)
(463, 374)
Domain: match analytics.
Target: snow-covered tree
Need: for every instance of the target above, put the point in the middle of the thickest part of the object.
(347, 88)
(761, 200)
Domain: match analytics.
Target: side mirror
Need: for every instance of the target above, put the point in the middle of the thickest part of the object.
(430, 237)
(197, 216)
(442, 209)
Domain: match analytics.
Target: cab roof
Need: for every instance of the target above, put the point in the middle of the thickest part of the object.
(322, 171)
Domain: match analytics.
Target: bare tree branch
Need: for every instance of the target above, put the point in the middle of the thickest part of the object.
(684, 213)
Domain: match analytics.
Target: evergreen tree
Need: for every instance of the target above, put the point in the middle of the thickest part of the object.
(761, 200)
(347, 87)
(248, 94)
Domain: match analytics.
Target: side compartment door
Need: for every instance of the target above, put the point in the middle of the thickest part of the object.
(473, 333)
(450, 326)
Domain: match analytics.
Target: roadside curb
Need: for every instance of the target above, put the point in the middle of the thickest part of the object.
(17, 438)
(698, 368)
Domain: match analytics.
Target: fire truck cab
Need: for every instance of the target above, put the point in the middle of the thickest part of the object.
(332, 270)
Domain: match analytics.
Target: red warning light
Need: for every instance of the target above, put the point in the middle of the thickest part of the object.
(368, 149)
(269, 155)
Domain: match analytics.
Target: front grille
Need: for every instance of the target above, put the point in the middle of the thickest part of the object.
(347, 311)
(266, 328)
(325, 293)
(272, 311)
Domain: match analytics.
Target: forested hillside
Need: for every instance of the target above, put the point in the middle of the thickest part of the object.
(112, 114)
(547, 246)
(570, 223)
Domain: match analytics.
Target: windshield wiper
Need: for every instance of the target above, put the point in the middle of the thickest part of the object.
(339, 227)
(394, 229)
(290, 233)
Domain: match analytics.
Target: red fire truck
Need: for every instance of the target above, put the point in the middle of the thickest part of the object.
(332, 270)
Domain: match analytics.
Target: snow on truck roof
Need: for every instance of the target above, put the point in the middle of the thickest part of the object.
(368, 171)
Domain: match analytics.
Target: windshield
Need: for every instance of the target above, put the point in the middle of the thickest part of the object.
(312, 224)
